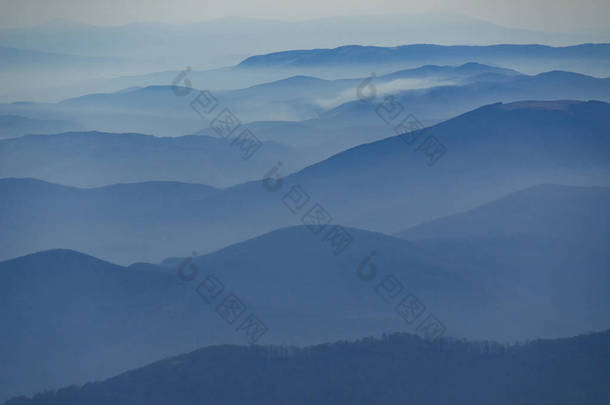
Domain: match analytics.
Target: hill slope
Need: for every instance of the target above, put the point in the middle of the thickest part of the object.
(69, 317)
(442, 100)
(533, 249)
(93, 159)
(97, 319)
(385, 186)
(546, 211)
(15, 125)
(395, 370)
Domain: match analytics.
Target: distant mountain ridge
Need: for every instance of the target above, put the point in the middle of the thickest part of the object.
(532, 248)
(496, 285)
(432, 92)
(466, 69)
(89, 312)
(15, 125)
(388, 184)
(93, 159)
(344, 55)
(15, 59)
(452, 99)
(389, 209)
(520, 214)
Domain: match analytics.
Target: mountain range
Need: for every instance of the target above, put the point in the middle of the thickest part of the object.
(94, 159)
(322, 110)
(443, 101)
(14, 125)
(528, 57)
(392, 209)
(141, 41)
(492, 282)
(386, 186)
(114, 72)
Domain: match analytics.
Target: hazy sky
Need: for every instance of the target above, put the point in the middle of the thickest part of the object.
(547, 15)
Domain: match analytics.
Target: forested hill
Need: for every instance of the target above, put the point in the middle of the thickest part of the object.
(396, 369)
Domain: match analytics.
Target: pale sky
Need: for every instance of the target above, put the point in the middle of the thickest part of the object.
(542, 15)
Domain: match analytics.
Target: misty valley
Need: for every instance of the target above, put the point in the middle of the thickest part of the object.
(276, 212)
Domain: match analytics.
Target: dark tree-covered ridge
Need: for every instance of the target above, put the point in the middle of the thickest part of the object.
(394, 369)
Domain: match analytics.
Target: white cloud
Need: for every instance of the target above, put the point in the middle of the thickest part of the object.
(383, 89)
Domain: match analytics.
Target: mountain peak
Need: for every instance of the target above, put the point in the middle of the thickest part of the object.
(55, 255)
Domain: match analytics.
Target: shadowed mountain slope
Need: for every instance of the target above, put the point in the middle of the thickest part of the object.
(396, 369)
(385, 186)
(93, 159)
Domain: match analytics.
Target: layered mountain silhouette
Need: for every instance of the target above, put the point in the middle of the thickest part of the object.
(16, 59)
(432, 93)
(307, 97)
(71, 317)
(89, 159)
(392, 370)
(533, 249)
(445, 101)
(421, 54)
(386, 185)
(141, 213)
(15, 125)
(505, 278)
(140, 40)
(546, 211)
(90, 313)
(120, 54)
(161, 109)
(192, 213)
(30, 74)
